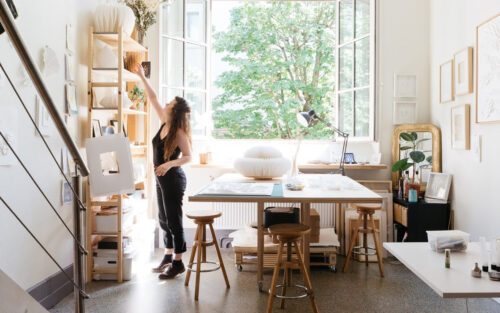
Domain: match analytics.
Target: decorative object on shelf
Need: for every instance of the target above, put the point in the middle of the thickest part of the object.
(460, 127)
(71, 104)
(104, 56)
(105, 184)
(96, 128)
(487, 79)
(307, 119)
(50, 63)
(405, 86)
(146, 65)
(446, 93)
(463, 71)
(405, 112)
(438, 186)
(9, 129)
(137, 97)
(43, 120)
(145, 15)
(262, 162)
(108, 18)
(431, 147)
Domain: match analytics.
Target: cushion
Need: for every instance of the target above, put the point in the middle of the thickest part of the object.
(262, 162)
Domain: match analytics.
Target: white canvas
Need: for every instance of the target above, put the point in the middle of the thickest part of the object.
(102, 184)
(488, 64)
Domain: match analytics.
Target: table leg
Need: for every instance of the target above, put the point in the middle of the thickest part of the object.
(260, 244)
(306, 220)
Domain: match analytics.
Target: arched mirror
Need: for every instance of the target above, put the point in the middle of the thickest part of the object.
(416, 147)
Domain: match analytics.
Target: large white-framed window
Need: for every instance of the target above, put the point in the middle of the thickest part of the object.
(355, 93)
(187, 67)
(184, 56)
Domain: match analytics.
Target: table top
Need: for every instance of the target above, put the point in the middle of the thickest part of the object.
(453, 282)
(319, 188)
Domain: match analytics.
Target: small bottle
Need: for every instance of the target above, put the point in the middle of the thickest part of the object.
(447, 258)
(406, 184)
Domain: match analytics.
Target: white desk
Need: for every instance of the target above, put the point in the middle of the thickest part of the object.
(453, 282)
(349, 192)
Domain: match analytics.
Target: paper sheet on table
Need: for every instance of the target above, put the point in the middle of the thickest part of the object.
(246, 189)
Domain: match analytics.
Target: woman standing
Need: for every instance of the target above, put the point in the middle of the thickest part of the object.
(171, 150)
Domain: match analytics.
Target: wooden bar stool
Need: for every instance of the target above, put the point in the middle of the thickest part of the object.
(289, 234)
(203, 219)
(365, 211)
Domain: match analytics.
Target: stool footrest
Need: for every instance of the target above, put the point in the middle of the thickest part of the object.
(306, 292)
(191, 269)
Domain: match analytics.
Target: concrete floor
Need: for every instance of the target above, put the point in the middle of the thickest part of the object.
(359, 290)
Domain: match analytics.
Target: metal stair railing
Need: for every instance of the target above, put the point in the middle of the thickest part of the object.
(7, 22)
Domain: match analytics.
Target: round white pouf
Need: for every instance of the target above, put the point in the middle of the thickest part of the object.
(262, 162)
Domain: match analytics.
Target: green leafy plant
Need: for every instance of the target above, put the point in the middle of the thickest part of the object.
(409, 143)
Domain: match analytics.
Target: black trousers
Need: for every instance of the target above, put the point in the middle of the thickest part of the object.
(170, 192)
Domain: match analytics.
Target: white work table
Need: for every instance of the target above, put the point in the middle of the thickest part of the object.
(453, 282)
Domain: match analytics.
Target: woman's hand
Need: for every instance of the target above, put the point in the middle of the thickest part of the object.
(139, 70)
(163, 169)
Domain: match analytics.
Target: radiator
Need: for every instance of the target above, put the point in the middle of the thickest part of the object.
(237, 215)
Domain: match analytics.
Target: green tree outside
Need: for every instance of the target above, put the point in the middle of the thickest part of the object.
(282, 58)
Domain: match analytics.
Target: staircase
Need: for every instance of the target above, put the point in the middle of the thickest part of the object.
(13, 299)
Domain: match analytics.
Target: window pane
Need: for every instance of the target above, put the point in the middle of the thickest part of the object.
(346, 32)
(362, 112)
(195, 20)
(346, 112)
(168, 94)
(345, 67)
(172, 18)
(199, 119)
(362, 62)
(172, 62)
(362, 17)
(195, 66)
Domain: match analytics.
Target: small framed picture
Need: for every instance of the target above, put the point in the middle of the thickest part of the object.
(405, 112)
(146, 65)
(446, 93)
(463, 71)
(460, 127)
(96, 128)
(66, 194)
(438, 186)
(405, 86)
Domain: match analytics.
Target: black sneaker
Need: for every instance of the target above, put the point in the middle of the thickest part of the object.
(167, 260)
(174, 269)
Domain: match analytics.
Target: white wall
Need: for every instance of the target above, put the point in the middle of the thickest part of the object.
(40, 23)
(475, 185)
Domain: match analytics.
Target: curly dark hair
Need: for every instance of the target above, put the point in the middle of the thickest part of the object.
(180, 119)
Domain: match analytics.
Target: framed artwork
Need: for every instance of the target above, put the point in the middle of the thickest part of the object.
(71, 105)
(460, 127)
(96, 128)
(463, 71)
(438, 186)
(405, 112)
(43, 119)
(66, 193)
(446, 82)
(405, 86)
(487, 78)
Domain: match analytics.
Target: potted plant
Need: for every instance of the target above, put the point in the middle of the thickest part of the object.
(414, 156)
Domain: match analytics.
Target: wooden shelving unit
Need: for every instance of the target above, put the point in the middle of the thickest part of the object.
(123, 80)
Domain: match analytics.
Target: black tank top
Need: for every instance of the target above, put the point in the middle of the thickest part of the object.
(159, 149)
